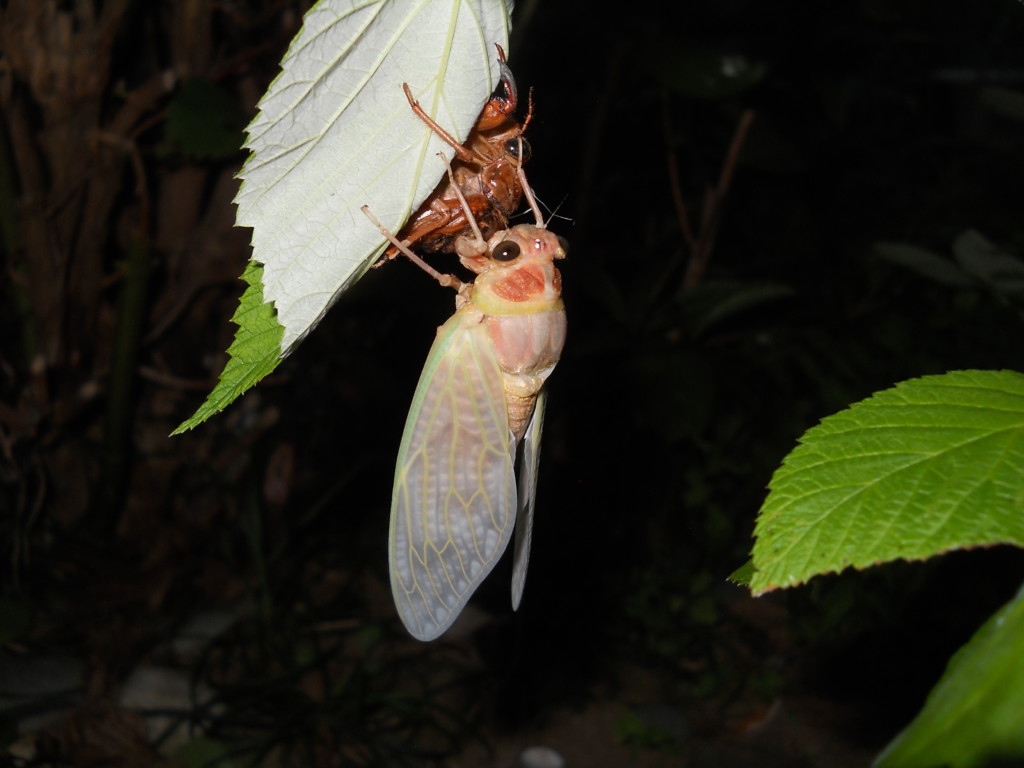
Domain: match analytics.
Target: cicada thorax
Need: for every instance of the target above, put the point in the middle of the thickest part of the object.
(518, 293)
(493, 177)
(485, 170)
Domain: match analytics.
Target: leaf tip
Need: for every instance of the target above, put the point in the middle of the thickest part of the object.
(743, 575)
(254, 353)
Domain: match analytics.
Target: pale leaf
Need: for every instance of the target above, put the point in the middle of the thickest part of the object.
(335, 132)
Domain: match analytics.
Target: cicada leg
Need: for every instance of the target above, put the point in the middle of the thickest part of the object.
(464, 154)
(449, 281)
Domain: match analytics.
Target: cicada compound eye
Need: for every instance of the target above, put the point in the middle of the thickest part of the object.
(512, 149)
(506, 250)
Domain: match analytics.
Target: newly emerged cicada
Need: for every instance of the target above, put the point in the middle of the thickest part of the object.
(479, 406)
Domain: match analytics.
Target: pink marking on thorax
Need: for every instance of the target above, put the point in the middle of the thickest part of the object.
(526, 283)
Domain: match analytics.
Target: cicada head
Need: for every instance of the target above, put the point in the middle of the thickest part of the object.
(517, 272)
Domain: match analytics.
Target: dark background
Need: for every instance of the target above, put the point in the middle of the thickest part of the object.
(685, 381)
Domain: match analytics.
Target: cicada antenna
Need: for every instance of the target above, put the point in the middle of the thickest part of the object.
(529, 111)
(534, 206)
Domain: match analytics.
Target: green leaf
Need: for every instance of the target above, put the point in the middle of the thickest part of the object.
(931, 465)
(975, 715)
(255, 352)
(742, 575)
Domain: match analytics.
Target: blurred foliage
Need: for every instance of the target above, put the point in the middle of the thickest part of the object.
(973, 716)
(874, 123)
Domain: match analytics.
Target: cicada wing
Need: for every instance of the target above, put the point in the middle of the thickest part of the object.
(529, 459)
(454, 500)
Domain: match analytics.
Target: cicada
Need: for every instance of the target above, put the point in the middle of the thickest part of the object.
(483, 187)
(478, 407)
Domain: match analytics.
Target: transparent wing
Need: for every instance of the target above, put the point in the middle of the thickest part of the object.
(529, 462)
(453, 505)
